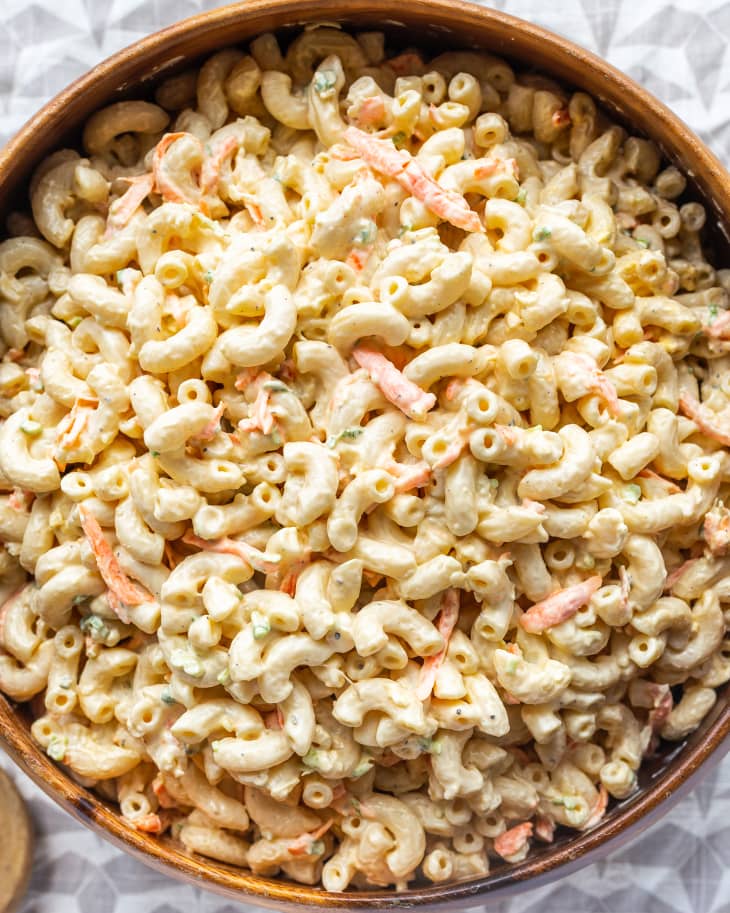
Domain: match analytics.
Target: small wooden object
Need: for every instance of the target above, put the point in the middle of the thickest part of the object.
(16, 846)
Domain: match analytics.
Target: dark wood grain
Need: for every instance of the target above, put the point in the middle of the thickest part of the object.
(435, 23)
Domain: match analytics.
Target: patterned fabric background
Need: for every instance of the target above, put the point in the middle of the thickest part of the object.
(677, 50)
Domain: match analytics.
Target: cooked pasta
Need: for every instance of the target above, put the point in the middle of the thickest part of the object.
(363, 460)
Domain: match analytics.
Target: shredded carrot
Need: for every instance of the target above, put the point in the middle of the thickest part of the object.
(210, 172)
(719, 328)
(15, 354)
(168, 190)
(487, 169)
(302, 845)
(650, 474)
(596, 380)
(371, 111)
(122, 588)
(561, 118)
(261, 417)
(118, 607)
(513, 840)
(381, 155)
(163, 796)
(409, 475)
(395, 386)
(72, 425)
(454, 450)
(243, 550)
(123, 208)
(678, 572)
(213, 426)
(254, 210)
(702, 417)
(289, 583)
(18, 499)
(154, 823)
(453, 388)
(445, 623)
(560, 606)
(599, 808)
(357, 259)
(246, 377)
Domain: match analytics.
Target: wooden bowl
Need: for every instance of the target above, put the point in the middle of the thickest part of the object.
(438, 24)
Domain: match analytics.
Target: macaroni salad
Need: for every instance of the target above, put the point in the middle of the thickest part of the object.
(363, 458)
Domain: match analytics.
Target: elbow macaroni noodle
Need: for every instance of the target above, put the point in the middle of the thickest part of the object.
(364, 460)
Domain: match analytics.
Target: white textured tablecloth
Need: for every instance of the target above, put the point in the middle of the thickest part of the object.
(678, 50)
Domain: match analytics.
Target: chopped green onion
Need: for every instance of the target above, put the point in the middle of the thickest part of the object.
(311, 759)
(324, 81)
(366, 234)
(522, 196)
(542, 234)
(187, 662)
(261, 626)
(276, 386)
(349, 434)
(431, 746)
(364, 765)
(632, 493)
(95, 627)
(166, 697)
(57, 747)
(73, 322)
(224, 677)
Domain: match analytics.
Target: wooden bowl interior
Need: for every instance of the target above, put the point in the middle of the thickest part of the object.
(433, 24)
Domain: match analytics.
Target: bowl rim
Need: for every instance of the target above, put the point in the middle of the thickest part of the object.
(681, 145)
